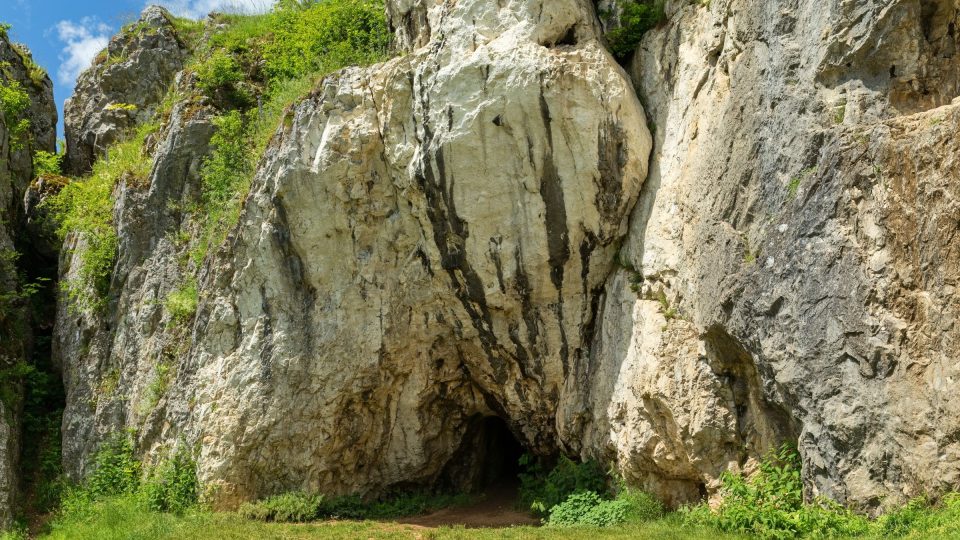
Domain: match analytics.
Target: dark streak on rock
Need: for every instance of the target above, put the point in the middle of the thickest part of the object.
(305, 292)
(551, 191)
(612, 156)
(450, 234)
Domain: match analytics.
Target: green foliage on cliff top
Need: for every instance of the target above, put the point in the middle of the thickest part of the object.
(259, 65)
(636, 19)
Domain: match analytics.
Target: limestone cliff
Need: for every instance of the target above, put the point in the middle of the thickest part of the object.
(483, 227)
(795, 230)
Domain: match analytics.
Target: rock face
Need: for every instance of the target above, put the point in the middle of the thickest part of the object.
(808, 296)
(16, 172)
(423, 247)
(469, 232)
(123, 87)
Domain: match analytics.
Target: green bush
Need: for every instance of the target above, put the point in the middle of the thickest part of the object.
(636, 19)
(325, 36)
(589, 508)
(540, 491)
(296, 507)
(770, 505)
(46, 163)
(172, 486)
(181, 303)
(14, 102)
(115, 470)
(219, 71)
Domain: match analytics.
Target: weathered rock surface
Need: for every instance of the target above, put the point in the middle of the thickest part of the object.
(808, 296)
(424, 246)
(122, 88)
(16, 171)
(437, 240)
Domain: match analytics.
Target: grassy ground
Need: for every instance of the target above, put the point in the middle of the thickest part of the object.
(125, 518)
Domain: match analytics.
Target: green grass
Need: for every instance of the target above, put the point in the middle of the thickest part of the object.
(181, 303)
(129, 517)
(85, 206)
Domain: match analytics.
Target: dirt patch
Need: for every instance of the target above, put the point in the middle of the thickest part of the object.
(496, 508)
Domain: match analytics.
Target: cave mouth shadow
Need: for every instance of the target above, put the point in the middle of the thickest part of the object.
(488, 458)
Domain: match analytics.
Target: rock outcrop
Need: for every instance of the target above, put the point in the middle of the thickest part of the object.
(807, 295)
(424, 246)
(16, 171)
(478, 229)
(123, 88)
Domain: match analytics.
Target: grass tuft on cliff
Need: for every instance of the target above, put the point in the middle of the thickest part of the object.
(255, 67)
(84, 208)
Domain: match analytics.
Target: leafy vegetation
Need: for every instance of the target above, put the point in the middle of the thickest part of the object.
(574, 494)
(172, 486)
(85, 207)
(36, 73)
(46, 163)
(272, 60)
(14, 102)
(541, 490)
(637, 18)
(181, 304)
(303, 507)
(770, 505)
(118, 476)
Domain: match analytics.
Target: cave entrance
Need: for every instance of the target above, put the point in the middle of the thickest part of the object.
(488, 458)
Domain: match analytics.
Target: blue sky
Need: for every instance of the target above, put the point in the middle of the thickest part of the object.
(65, 35)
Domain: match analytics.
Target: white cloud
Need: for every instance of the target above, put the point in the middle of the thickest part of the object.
(83, 40)
(196, 9)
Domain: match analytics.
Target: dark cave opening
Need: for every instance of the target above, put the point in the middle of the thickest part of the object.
(488, 458)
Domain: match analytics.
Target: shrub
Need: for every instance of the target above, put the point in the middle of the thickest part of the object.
(770, 505)
(172, 486)
(14, 102)
(325, 36)
(589, 508)
(635, 21)
(181, 303)
(116, 471)
(46, 163)
(540, 492)
(295, 507)
(219, 71)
